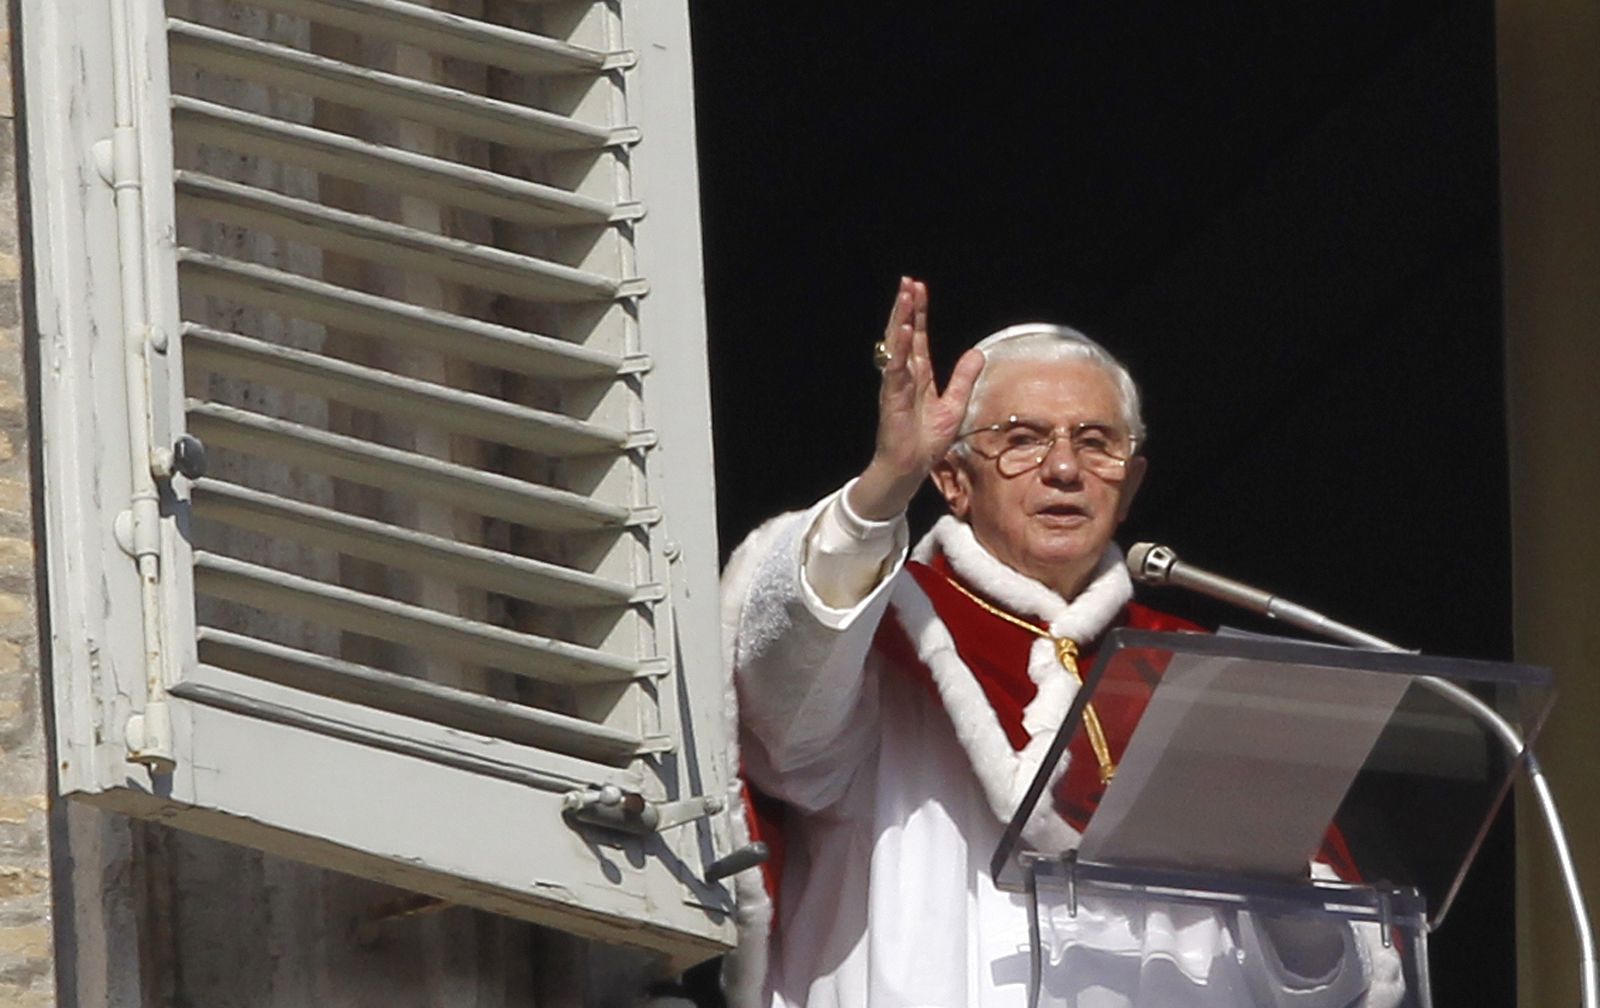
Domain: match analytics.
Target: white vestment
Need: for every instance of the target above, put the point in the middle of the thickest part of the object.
(897, 807)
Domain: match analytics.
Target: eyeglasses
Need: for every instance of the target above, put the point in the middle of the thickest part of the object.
(1017, 446)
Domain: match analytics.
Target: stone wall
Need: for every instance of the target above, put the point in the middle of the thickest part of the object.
(27, 976)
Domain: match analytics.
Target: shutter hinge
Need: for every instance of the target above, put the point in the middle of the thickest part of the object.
(116, 158)
(148, 737)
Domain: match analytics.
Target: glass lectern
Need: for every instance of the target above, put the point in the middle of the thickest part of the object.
(1247, 760)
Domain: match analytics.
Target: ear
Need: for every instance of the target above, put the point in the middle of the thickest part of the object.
(1137, 467)
(954, 484)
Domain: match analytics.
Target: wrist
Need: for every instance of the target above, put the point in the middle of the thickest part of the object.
(879, 495)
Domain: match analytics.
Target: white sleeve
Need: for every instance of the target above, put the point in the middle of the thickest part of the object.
(847, 556)
(808, 712)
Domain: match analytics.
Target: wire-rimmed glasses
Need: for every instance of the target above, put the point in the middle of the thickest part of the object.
(1017, 445)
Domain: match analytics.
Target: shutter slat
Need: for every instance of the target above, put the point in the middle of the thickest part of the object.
(393, 244)
(442, 32)
(317, 301)
(378, 465)
(449, 182)
(413, 697)
(407, 549)
(384, 93)
(414, 626)
(255, 707)
(453, 409)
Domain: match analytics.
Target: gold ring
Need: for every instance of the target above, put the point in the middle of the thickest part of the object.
(881, 355)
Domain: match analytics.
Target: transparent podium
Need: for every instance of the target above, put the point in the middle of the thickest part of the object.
(1303, 814)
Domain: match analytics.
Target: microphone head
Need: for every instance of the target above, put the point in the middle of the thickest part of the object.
(1149, 563)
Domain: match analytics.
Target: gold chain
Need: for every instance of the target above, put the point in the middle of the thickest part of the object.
(1067, 654)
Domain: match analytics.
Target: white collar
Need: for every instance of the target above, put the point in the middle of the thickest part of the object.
(1083, 618)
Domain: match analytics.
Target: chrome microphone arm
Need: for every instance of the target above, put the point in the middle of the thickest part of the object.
(1152, 564)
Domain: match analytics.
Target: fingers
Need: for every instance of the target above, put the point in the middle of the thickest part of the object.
(902, 371)
(952, 407)
(900, 311)
(902, 315)
(918, 358)
(958, 390)
(919, 310)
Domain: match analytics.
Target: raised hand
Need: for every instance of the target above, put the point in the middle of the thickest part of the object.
(916, 424)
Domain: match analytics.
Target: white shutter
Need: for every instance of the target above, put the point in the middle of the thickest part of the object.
(424, 284)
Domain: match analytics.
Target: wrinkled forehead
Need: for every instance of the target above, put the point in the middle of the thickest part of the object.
(1057, 393)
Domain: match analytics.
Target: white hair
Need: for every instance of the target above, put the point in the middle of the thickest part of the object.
(1043, 342)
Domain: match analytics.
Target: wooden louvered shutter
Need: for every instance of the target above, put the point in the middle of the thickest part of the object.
(377, 445)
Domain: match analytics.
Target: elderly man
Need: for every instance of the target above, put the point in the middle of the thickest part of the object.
(898, 708)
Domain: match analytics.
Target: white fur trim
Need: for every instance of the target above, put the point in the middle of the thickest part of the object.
(744, 970)
(1004, 773)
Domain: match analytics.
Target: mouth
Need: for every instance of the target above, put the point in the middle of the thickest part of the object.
(1062, 514)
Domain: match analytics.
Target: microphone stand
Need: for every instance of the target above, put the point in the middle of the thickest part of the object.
(1152, 564)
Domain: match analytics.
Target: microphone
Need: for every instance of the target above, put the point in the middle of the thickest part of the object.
(1153, 564)
(1159, 565)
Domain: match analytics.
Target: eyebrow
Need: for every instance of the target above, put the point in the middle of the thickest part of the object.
(1016, 420)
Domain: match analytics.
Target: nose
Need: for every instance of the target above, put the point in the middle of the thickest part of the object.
(1060, 462)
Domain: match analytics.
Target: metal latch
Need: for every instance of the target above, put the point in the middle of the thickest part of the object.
(187, 456)
(748, 856)
(630, 812)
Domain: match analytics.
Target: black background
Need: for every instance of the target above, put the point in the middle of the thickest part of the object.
(1283, 217)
